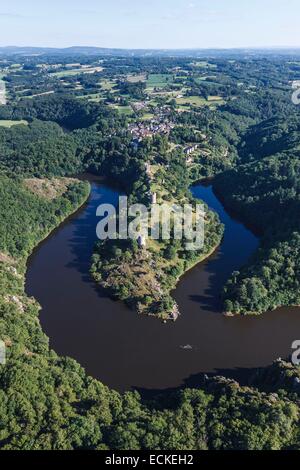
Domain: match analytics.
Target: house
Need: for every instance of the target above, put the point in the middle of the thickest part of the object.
(190, 149)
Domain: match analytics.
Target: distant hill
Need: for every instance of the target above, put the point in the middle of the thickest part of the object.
(84, 50)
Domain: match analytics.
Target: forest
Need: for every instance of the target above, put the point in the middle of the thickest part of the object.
(265, 188)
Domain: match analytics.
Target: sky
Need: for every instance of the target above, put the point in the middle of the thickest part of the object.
(161, 24)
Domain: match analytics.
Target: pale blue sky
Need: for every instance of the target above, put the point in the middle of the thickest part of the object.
(150, 23)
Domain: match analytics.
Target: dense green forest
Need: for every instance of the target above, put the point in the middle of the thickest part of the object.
(265, 190)
(239, 117)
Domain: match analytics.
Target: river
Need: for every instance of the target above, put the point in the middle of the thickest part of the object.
(125, 350)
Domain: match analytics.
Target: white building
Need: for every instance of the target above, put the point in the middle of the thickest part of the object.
(153, 198)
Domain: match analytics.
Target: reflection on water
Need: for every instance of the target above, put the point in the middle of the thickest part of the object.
(125, 350)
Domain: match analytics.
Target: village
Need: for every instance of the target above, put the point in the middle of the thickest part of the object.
(160, 123)
(141, 130)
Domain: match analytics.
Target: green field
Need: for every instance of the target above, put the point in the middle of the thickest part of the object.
(70, 73)
(30, 97)
(147, 117)
(127, 110)
(96, 97)
(107, 85)
(199, 101)
(136, 78)
(210, 78)
(159, 80)
(204, 64)
(8, 123)
(15, 67)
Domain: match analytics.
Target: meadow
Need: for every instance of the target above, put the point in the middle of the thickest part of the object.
(159, 80)
(9, 123)
(71, 72)
(199, 101)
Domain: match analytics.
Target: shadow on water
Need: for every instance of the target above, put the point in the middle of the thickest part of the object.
(84, 230)
(237, 245)
(125, 350)
(196, 381)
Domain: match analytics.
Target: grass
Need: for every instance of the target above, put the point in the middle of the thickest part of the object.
(159, 80)
(8, 123)
(168, 94)
(107, 84)
(127, 110)
(198, 101)
(15, 66)
(49, 189)
(147, 117)
(45, 93)
(95, 97)
(136, 78)
(204, 64)
(209, 78)
(69, 73)
(215, 98)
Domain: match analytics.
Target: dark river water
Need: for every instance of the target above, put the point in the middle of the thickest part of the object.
(125, 350)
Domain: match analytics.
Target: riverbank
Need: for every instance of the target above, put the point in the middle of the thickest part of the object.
(270, 278)
(64, 217)
(21, 331)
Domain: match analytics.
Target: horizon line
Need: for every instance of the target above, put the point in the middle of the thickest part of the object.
(156, 48)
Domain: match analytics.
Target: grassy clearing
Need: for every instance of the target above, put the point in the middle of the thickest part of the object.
(95, 97)
(49, 189)
(159, 80)
(69, 73)
(15, 67)
(107, 85)
(215, 98)
(123, 109)
(8, 123)
(40, 94)
(168, 94)
(204, 64)
(136, 78)
(147, 117)
(199, 101)
(191, 101)
(210, 78)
